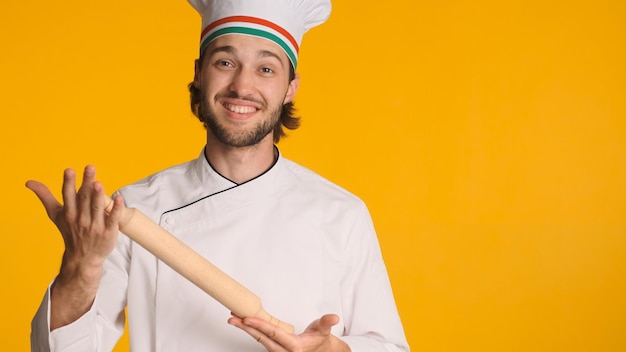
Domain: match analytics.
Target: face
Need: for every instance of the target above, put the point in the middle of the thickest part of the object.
(245, 82)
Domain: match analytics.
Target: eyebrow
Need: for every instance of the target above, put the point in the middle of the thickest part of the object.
(267, 53)
(224, 49)
(231, 50)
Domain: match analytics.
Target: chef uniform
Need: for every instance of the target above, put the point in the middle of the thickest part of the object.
(305, 246)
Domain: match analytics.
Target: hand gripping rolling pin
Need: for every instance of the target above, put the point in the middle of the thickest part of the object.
(184, 260)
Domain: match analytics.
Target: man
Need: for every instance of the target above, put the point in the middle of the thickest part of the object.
(304, 245)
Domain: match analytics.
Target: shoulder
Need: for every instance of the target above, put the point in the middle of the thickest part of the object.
(340, 214)
(160, 178)
(313, 184)
(167, 183)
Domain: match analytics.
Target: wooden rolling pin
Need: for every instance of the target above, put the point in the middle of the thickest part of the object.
(187, 262)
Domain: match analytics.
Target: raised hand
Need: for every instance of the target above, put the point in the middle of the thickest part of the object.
(89, 234)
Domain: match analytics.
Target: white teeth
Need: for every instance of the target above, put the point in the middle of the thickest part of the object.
(241, 109)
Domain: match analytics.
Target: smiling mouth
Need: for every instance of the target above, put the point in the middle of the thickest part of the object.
(239, 109)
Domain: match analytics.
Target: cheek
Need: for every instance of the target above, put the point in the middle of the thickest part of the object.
(277, 92)
(212, 81)
(211, 88)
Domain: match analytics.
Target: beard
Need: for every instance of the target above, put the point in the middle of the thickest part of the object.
(235, 138)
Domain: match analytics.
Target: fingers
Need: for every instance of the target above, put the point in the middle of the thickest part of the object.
(86, 206)
(69, 193)
(115, 215)
(50, 203)
(84, 198)
(316, 337)
(328, 321)
(271, 336)
(323, 325)
(97, 205)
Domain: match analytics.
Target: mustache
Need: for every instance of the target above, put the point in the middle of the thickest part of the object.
(234, 95)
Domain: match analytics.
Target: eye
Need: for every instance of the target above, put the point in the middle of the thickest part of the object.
(267, 70)
(223, 63)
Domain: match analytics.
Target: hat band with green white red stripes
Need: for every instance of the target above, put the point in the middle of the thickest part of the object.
(254, 27)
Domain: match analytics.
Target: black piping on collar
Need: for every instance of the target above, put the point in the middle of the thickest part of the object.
(229, 188)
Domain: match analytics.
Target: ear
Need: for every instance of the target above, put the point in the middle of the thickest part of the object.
(196, 73)
(291, 90)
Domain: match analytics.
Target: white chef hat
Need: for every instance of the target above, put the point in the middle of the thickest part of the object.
(281, 21)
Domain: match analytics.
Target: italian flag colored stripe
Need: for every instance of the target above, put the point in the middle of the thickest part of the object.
(253, 32)
(254, 20)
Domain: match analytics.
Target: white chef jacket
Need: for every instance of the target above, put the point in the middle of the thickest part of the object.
(305, 246)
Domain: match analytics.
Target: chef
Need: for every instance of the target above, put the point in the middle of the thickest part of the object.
(304, 245)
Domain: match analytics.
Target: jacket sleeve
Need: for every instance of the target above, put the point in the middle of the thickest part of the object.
(371, 317)
(39, 333)
(100, 328)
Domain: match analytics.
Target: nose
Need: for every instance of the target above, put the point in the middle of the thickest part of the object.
(243, 82)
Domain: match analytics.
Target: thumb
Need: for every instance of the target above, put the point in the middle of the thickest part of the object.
(323, 324)
(46, 197)
(329, 320)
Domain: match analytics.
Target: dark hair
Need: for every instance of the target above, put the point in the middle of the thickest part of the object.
(287, 118)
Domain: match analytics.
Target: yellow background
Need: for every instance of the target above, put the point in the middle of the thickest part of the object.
(487, 137)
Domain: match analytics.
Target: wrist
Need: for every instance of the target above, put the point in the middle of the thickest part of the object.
(73, 292)
(79, 275)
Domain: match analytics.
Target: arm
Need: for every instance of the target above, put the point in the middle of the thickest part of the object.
(89, 235)
(371, 317)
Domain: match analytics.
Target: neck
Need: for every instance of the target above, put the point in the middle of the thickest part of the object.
(241, 164)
